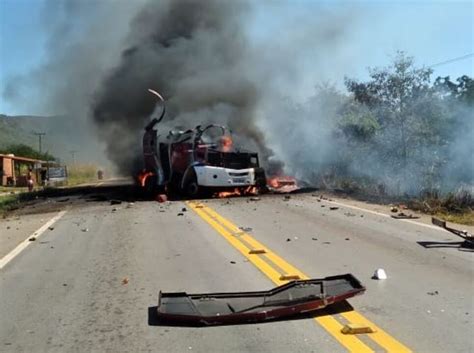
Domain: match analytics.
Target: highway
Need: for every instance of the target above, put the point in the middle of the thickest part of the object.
(89, 282)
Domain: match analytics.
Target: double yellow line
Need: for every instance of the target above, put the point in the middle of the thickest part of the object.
(280, 272)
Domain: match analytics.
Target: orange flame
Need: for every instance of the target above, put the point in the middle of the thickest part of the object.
(226, 143)
(282, 183)
(142, 176)
(251, 190)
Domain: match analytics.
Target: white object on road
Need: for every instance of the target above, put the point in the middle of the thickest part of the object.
(379, 274)
(11, 255)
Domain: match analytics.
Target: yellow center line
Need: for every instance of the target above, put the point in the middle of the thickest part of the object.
(380, 337)
(221, 225)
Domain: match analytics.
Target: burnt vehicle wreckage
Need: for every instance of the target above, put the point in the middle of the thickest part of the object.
(289, 300)
(196, 162)
(202, 161)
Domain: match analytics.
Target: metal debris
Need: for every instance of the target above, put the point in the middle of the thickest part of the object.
(257, 251)
(402, 215)
(354, 329)
(468, 237)
(288, 300)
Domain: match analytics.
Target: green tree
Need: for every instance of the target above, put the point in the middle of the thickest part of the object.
(22, 150)
(410, 117)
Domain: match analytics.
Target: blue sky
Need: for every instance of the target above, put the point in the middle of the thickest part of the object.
(431, 31)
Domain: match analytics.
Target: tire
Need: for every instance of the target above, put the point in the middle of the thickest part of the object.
(191, 187)
(151, 189)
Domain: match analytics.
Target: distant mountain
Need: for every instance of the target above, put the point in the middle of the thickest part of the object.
(62, 136)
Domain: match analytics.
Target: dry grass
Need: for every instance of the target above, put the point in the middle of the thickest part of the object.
(453, 207)
(82, 174)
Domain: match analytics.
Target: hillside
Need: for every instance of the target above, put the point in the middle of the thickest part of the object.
(62, 136)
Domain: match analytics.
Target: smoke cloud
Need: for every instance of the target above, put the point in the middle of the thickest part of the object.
(214, 62)
(193, 53)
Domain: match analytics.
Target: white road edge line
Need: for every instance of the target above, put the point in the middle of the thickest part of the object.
(12, 254)
(386, 215)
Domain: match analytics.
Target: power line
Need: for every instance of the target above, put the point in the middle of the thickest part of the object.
(40, 135)
(453, 60)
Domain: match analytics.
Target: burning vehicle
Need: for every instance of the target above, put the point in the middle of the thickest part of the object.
(197, 162)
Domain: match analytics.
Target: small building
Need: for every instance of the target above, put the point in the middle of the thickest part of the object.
(14, 170)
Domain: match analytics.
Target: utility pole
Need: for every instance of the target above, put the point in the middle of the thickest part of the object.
(40, 135)
(73, 155)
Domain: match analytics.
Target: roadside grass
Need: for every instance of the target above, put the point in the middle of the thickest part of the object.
(12, 189)
(466, 218)
(82, 174)
(8, 202)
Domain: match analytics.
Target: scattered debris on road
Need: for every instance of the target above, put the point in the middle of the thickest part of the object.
(286, 198)
(183, 209)
(255, 199)
(468, 237)
(32, 239)
(349, 214)
(125, 280)
(233, 262)
(245, 229)
(85, 229)
(295, 297)
(257, 251)
(379, 274)
(115, 202)
(161, 198)
(333, 208)
(433, 293)
(355, 329)
(402, 215)
(314, 238)
(393, 209)
(51, 228)
(180, 214)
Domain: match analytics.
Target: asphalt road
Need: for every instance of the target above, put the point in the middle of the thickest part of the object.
(90, 281)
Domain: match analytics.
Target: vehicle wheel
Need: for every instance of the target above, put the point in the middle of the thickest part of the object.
(193, 189)
(151, 189)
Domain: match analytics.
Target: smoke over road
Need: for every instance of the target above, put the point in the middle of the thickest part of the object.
(212, 64)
